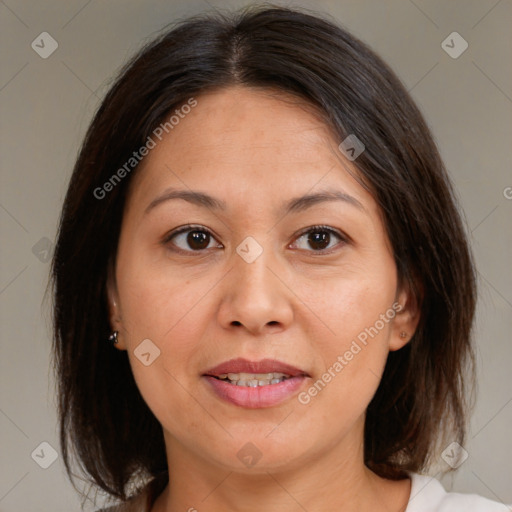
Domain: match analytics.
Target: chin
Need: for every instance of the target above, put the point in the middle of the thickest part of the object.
(260, 454)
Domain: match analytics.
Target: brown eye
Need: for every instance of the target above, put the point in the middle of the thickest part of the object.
(197, 239)
(319, 238)
(190, 239)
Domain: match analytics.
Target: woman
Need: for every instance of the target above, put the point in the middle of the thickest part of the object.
(263, 289)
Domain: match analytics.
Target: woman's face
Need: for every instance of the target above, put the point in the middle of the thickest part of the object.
(256, 282)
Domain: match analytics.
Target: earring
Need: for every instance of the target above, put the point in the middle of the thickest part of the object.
(403, 335)
(113, 337)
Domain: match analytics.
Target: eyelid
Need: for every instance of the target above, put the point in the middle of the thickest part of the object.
(323, 227)
(183, 229)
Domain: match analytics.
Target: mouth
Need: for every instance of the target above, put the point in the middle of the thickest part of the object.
(255, 384)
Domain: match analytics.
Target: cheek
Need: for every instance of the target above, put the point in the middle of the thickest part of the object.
(347, 305)
(156, 301)
(350, 376)
(165, 308)
(352, 333)
(164, 382)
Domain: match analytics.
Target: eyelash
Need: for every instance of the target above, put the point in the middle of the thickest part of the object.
(199, 229)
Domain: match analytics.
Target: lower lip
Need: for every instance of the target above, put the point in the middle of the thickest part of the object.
(257, 397)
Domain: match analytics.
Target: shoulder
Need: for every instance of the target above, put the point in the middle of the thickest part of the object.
(428, 495)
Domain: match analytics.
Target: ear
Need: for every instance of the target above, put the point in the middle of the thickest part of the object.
(408, 310)
(114, 310)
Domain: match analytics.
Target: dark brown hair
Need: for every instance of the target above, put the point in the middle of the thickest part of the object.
(421, 400)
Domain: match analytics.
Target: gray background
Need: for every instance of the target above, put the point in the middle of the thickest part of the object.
(48, 103)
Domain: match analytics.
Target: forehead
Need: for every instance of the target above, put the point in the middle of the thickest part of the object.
(241, 141)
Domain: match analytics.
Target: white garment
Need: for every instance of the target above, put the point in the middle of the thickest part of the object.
(428, 495)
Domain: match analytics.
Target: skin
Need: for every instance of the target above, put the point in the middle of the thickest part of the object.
(255, 150)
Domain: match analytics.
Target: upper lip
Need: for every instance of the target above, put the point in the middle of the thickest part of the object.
(241, 365)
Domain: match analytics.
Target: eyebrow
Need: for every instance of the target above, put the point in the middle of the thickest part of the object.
(295, 205)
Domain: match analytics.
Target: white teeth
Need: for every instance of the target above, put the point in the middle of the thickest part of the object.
(252, 376)
(254, 380)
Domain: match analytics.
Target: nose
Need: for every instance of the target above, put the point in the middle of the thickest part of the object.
(255, 296)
